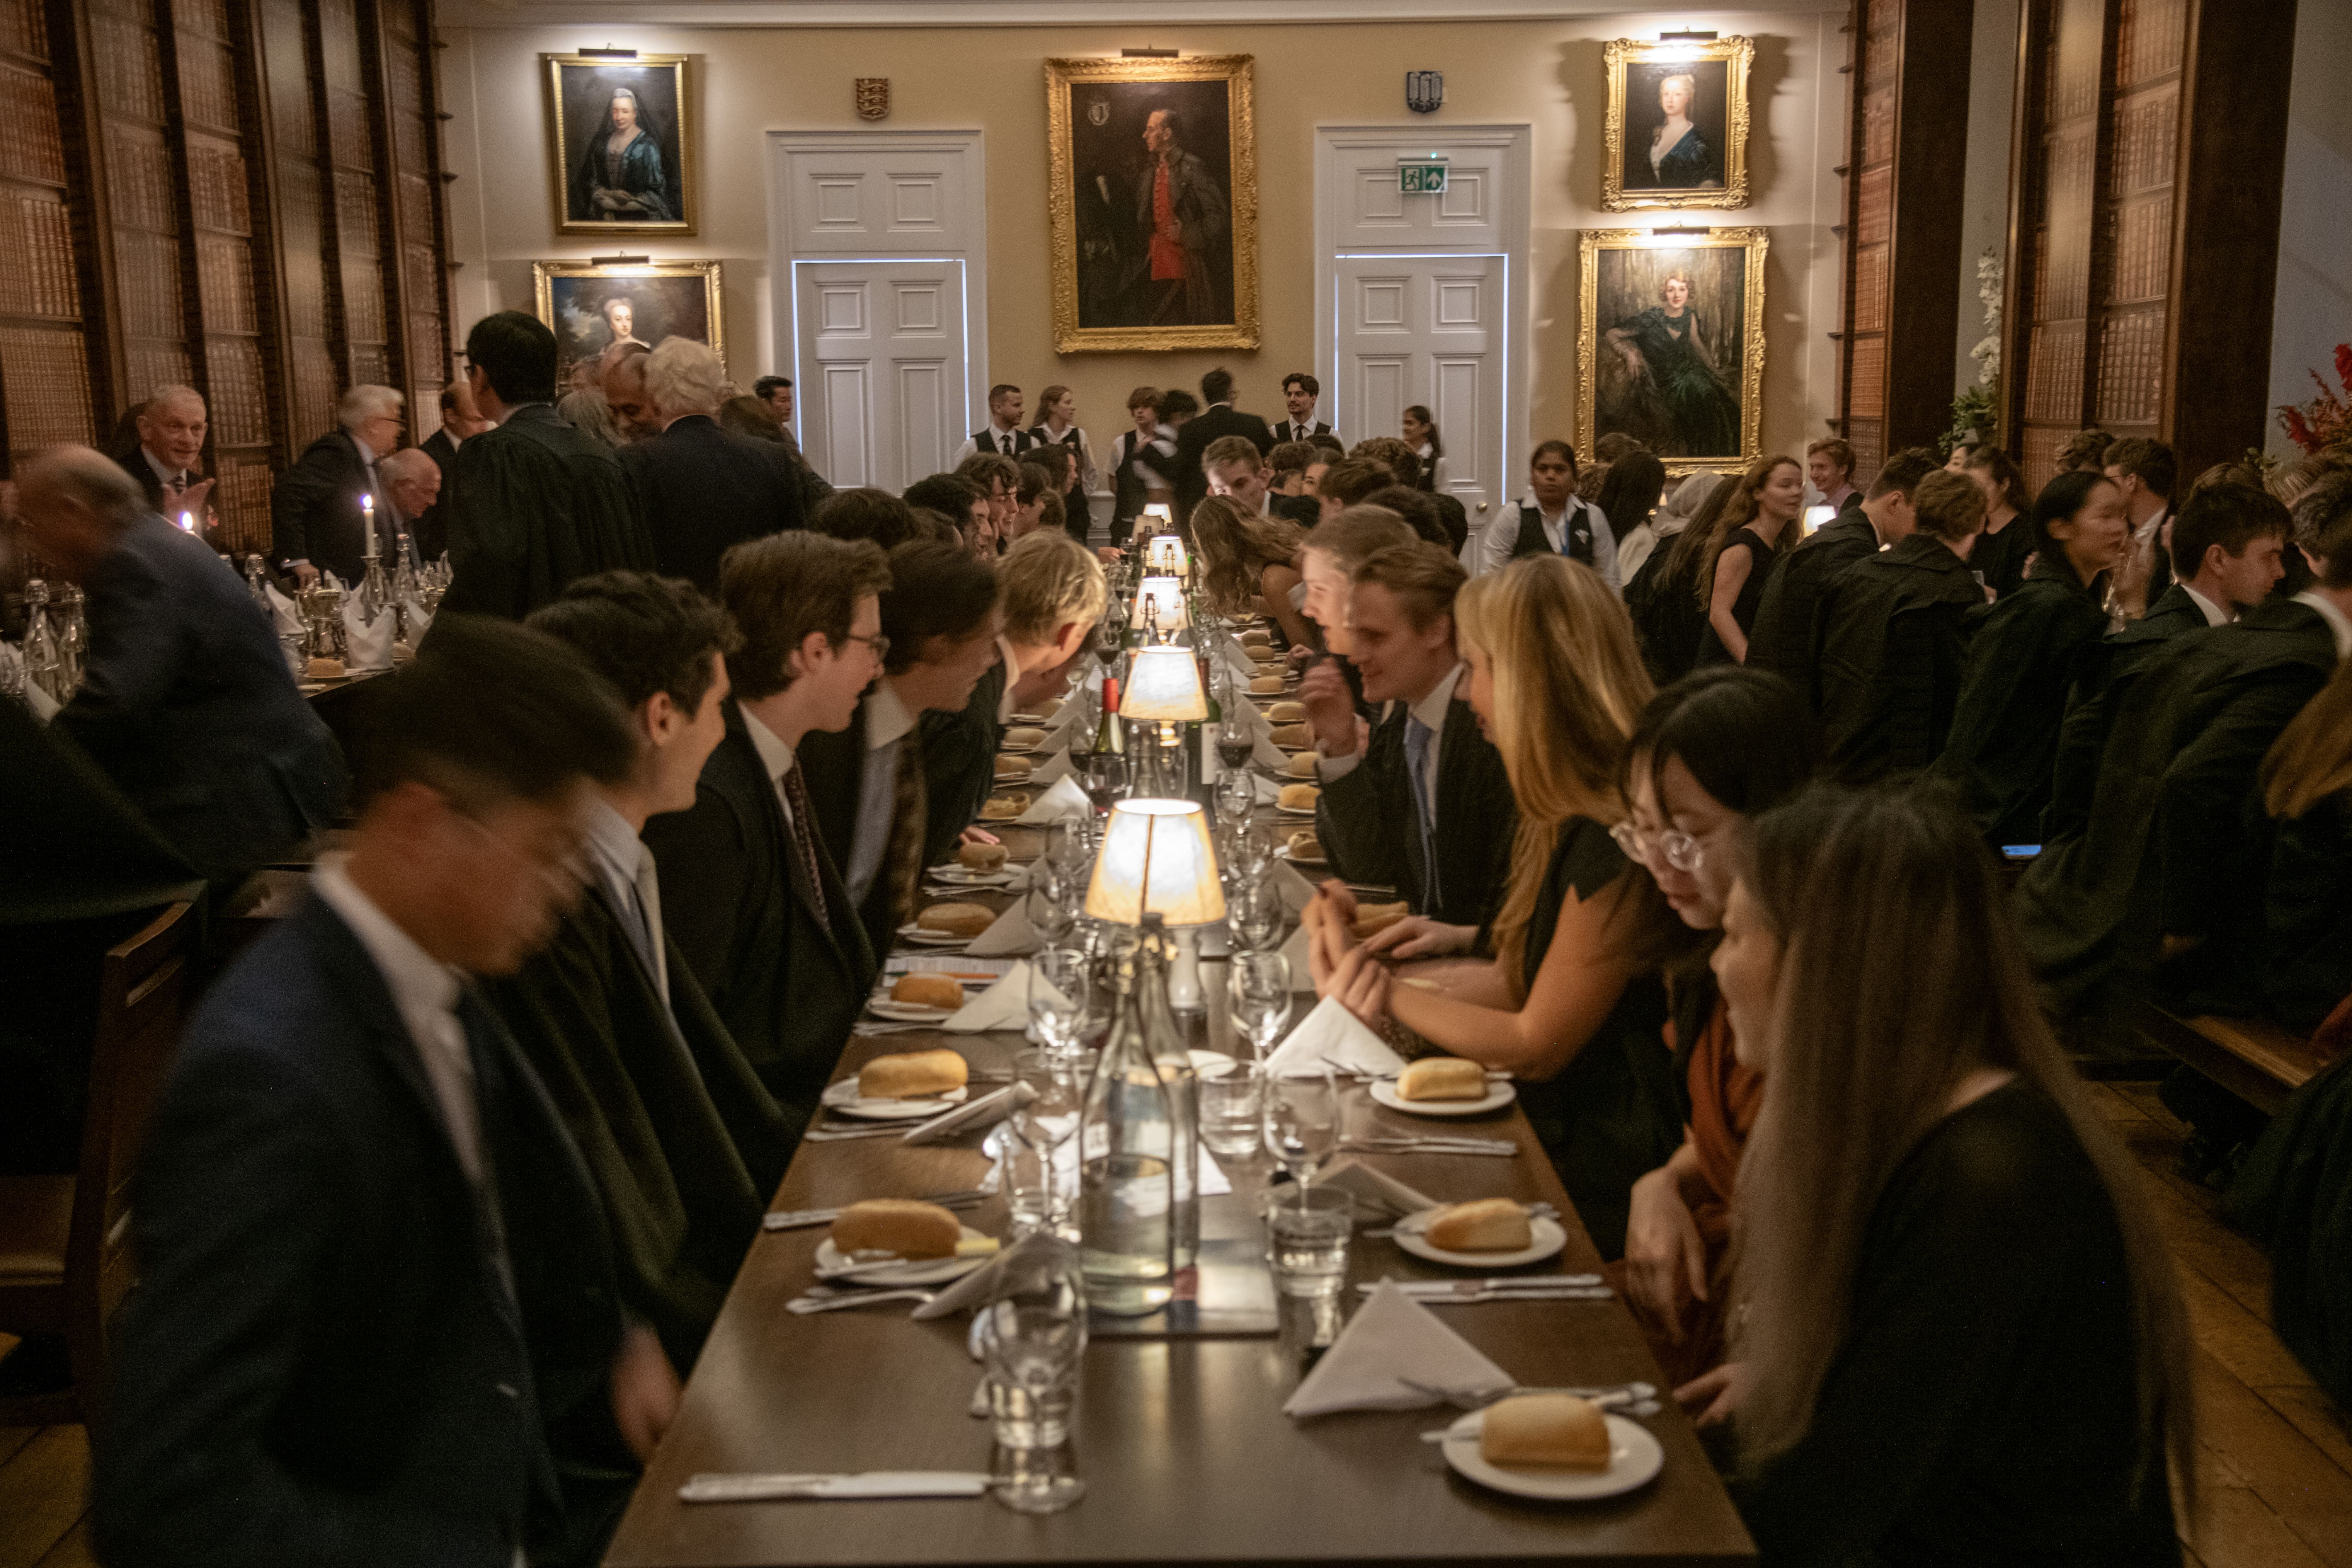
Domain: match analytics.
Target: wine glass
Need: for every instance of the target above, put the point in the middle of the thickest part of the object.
(1032, 1337)
(1059, 981)
(1066, 852)
(1048, 1120)
(1105, 779)
(1302, 1123)
(1053, 905)
(1257, 990)
(1255, 914)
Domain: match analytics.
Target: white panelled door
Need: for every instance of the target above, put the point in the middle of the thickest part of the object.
(1427, 330)
(882, 368)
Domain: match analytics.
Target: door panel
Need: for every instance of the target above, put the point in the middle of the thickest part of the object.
(884, 341)
(1427, 330)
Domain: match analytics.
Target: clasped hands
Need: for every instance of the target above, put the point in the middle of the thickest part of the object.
(1359, 971)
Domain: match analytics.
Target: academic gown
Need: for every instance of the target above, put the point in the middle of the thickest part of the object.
(2294, 1195)
(2025, 658)
(1365, 819)
(1891, 635)
(960, 763)
(2304, 960)
(1783, 638)
(537, 503)
(2102, 674)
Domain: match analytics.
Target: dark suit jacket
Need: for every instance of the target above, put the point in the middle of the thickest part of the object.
(429, 533)
(1365, 819)
(1193, 439)
(537, 503)
(1889, 641)
(786, 984)
(1783, 638)
(701, 490)
(2104, 673)
(314, 509)
(324, 1361)
(188, 707)
(137, 465)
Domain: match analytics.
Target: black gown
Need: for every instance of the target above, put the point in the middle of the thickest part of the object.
(1760, 562)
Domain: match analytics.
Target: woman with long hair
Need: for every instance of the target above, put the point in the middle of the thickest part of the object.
(1057, 417)
(1962, 1338)
(1629, 495)
(1249, 563)
(2027, 656)
(1667, 619)
(1571, 1004)
(1421, 434)
(1756, 527)
(1710, 752)
(2001, 552)
(2306, 961)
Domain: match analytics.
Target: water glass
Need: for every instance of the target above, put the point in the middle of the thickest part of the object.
(1032, 1335)
(1054, 903)
(1302, 1123)
(1232, 1109)
(1307, 1232)
(1049, 1122)
(1258, 996)
(1067, 853)
(1256, 915)
(1059, 981)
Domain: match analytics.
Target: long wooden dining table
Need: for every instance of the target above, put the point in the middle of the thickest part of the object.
(1182, 1444)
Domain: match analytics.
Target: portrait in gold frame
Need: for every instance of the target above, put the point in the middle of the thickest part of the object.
(1703, 164)
(1683, 375)
(581, 303)
(656, 165)
(1129, 275)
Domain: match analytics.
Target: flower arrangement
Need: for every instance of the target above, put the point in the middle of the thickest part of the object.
(2326, 421)
(1973, 414)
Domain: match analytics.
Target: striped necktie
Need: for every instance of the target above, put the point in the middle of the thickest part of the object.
(805, 837)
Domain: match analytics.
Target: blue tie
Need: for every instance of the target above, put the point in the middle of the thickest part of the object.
(1417, 736)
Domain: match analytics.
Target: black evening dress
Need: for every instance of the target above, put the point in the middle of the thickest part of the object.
(1760, 562)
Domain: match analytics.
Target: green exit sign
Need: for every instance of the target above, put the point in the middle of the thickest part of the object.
(1421, 179)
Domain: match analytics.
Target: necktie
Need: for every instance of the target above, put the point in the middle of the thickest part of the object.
(648, 891)
(1417, 736)
(804, 839)
(902, 862)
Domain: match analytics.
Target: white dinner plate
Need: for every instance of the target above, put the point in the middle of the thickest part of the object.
(921, 1271)
(908, 1011)
(1315, 862)
(922, 938)
(1548, 1239)
(965, 877)
(844, 1096)
(1635, 1457)
(1308, 814)
(1499, 1093)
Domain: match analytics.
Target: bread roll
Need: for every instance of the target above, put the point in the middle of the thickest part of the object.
(1441, 1078)
(1004, 807)
(982, 856)
(333, 670)
(1305, 845)
(912, 1075)
(925, 991)
(1545, 1431)
(1299, 797)
(1257, 637)
(902, 1227)
(1285, 712)
(1266, 685)
(1489, 1224)
(1021, 737)
(1301, 765)
(1373, 919)
(1291, 735)
(955, 919)
(1049, 706)
(1011, 768)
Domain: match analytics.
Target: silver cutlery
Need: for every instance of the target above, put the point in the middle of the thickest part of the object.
(813, 1302)
(863, 1129)
(1480, 1297)
(796, 1219)
(713, 1487)
(1418, 1288)
(1429, 1146)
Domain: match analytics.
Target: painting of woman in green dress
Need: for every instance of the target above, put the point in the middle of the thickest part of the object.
(620, 178)
(621, 163)
(1669, 369)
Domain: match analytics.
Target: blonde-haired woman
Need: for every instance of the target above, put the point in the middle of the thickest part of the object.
(1249, 563)
(1571, 1004)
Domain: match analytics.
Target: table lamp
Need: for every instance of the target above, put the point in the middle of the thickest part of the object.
(1164, 555)
(1156, 860)
(1168, 596)
(1164, 688)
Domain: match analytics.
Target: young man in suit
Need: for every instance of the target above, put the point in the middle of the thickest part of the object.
(1421, 802)
(370, 1259)
(1829, 470)
(1785, 633)
(1236, 468)
(186, 702)
(755, 901)
(1193, 439)
(1005, 433)
(318, 522)
(703, 489)
(1299, 390)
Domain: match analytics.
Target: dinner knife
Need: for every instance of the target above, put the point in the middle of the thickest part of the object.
(716, 1487)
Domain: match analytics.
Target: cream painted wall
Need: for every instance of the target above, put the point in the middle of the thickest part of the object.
(1548, 74)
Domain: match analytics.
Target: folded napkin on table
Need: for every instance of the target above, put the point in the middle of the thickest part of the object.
(1297, 887)
(370, 643)
(1376, 1193)
(1302, 967)
(985, 1111)
(1011, 934)
(1266, 755)
(1051, 769)
(420, 620)
(282, 610)
(1004, 1005)
(1331, 1036)
(1392, 1342)
(1063, 800)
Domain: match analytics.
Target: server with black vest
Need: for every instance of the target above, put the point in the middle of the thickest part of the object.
(1550, 520)
(1299, 392)
(1004, 433)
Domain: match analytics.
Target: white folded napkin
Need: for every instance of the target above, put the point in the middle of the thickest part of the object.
(282, 610)
(1009, 934)
(1394, 1341)
(370, 643)
(1330, 1035)
(1063, 800)
(1004, 1005)
(1376, 1193)
(1051, 769)
(420, 620)
(1297, 890)
(1302, 970)
(985, 1111)
(1266, 755)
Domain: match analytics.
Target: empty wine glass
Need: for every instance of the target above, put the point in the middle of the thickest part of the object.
(1257, 993)
(1059, 981)
(1255, 914)
(1302, 1123)
(1052, 904)
(1048, 1120)
(1032, 1336)
(1066, 851)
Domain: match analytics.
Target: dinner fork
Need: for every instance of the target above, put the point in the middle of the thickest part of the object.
(813, 1302)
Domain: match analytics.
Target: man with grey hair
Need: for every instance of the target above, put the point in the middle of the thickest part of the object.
(628, 408)
(319, 507)
(703, 489)
(412, 483)
(187, 703)
(171, 425)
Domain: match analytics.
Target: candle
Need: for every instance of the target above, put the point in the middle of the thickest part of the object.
(367, 507)
(187, 522)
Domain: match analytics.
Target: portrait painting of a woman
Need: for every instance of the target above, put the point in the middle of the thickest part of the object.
(1671, 337)
(620, 178)
(1675, 133)
(1673, 382)
(1680, 157)
(624, 162)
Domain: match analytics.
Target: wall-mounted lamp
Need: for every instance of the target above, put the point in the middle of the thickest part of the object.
(1147, 54)
(1424, 91)
(1708, 37)
(609, 53)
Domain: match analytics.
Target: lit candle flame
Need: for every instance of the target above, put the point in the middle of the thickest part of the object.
(187, 522)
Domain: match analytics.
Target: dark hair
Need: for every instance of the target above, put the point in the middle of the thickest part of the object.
(766, 386)
(1615, 445)
(1903, 471)
(516, 354)
(754, 417)
(867, 513)
(1290, 457)
(1058, 458)
(937, 589)
(950, 495)
(1173, 403)
(1392, 454)
(2086, 448)
(2150, 462)
(999, 390)
(1300, 378)
(1418, 508)
(985, 469)
(1630, 491)
(1561, 447)
(1350, 480)
(488, 711)
(2228, 514)
(642, 633)
(781, 587)
(1037, 479)
(1436, 442)
(2322, 526)
(1324, 441)
(2006, 475)
(1217, 386)
(2060, 498)
(1745, 735)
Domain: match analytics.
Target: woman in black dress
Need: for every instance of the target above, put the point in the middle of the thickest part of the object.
(1964, 1340)
(2001, 552)
(1755, 529)
(1572, 1004)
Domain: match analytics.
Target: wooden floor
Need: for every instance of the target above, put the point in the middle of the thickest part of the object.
(2276, 1476)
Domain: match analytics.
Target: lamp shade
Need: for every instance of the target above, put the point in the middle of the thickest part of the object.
(1162, 510)
(1156, 860)
(1168, 596)
(1164, 556)
(1164, 686)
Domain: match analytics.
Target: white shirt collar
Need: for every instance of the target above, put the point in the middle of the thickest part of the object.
(774, 756)
(418, 981)
(1431, 709)
(367, 453)
(2214, 615)
(886, 718)
(162, 471)
(615, 842)
(2337, 621)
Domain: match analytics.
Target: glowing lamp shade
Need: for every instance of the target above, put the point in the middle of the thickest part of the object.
(1168, 596)
(1164, 686)
(1162, 510)
(1164, 555)
(1156, 860)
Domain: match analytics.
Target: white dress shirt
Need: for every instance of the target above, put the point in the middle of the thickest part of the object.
(887, 726)
(1495, 546)
(1430, 710)
(2337, 621)
(998, 435)
(774, 757)
(2214, 615)
(627, 866)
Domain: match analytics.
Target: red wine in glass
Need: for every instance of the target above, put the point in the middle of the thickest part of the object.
(1234, 754)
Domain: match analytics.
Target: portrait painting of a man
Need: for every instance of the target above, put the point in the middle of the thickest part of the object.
(1154, 204)
(622, 157)
(590, 307)
(1676, 135)
(1672, 344)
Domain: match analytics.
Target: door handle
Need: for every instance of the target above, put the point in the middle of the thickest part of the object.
(1482, 506)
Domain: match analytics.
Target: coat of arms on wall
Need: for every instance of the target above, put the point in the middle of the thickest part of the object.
(873, 98)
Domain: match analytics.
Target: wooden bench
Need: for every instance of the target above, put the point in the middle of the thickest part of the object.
(2260, 1062)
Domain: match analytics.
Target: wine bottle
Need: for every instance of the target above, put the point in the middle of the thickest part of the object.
(1110, 735)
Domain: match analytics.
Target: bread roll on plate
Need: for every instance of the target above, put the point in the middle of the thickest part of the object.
(1302, 765)
(1488, 1225)
(1285, 712)
(1022, 736)
(1299, 797)
(903, 1228)
(1544, 1431)
(1257, 637)
(922, 991)
(1305, 845)
(1441, 1078)
(1013, 769)
(914, 1074)
(982, 856)
(1293, 736)
(956, 919)
(1266, 685)
(1373, 919)
(1049, 706)
(1003, 807)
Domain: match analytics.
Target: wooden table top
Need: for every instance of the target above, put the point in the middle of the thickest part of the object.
(1185, 1451)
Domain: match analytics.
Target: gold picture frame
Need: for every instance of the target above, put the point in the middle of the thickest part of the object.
(1119, 285)
(657, 189)
(1706, 167)
(1641, 373)
(664, 299)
